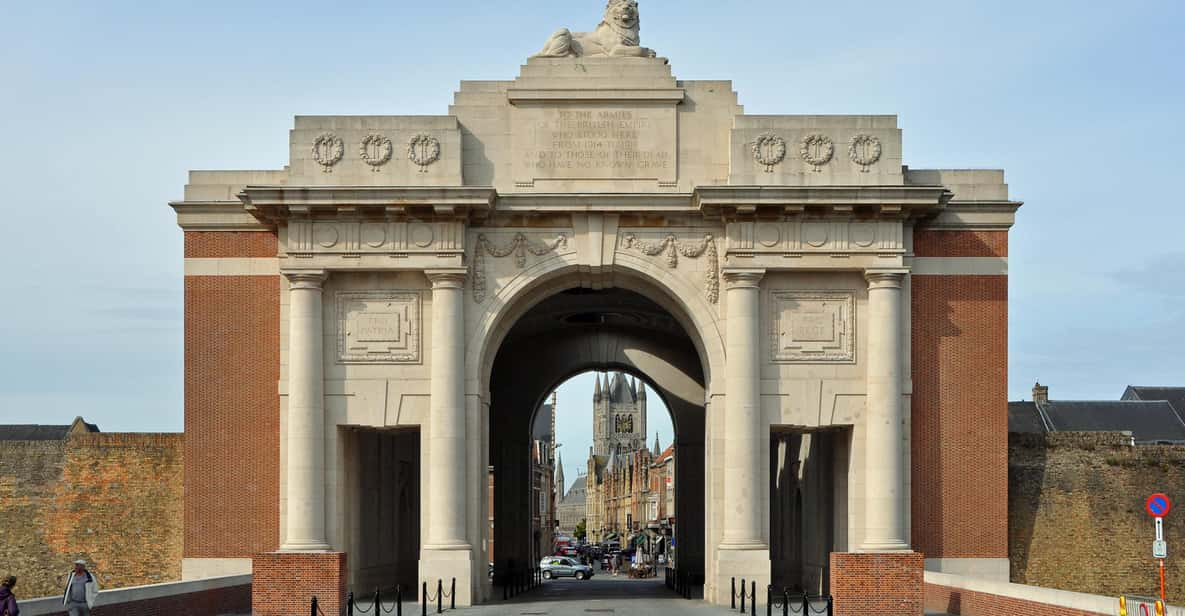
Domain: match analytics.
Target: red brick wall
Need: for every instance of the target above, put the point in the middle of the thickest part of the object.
(227, 244)
(232, 600)
(969, 603)
(881, 584)
(959, 430)
(960, 243)
(284, 584)
(232, 426)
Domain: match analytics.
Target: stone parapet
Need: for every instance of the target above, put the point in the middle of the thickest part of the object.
(886, 584)
(220, 595)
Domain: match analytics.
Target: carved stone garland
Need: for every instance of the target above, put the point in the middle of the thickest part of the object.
(423, 150)
(816, 150)
(673, 247)
(519, 247)
(328, 150)
(864, 150)
(375, 150)
(769, 150)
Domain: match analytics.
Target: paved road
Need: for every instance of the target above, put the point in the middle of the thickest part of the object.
(603, 595)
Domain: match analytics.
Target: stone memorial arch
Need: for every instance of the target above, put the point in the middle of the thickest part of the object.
(369, 328)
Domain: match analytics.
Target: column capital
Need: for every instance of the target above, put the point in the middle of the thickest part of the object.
(447, 278)
(306, 279)
(885, 278)
(743, 278)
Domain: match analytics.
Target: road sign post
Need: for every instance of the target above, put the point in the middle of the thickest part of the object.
(1158, 505)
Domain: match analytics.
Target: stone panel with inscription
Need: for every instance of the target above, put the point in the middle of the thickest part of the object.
(813, 327)
(378, 327)
(603, 141)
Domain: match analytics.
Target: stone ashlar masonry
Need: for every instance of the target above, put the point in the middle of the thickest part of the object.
(114, 499)
(1076, 513)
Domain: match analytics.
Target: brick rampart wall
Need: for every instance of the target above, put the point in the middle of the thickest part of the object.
(884, 584)
(113, 499)
(284, 584)
(232, 415)
(959, 415)
(1077, 520)
(960, 243)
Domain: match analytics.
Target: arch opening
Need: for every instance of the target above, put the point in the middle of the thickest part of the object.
(572, 331)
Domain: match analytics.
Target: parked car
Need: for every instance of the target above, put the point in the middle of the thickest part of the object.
(563, 566)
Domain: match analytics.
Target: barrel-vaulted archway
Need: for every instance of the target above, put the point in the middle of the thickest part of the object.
(565, 324)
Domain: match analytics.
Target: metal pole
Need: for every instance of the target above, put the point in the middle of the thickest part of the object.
(769, 605)
(1161, 579)
(734, 593)
(452, 598)
(350, 604)
(313, 610)
(398, 601)
(753, 606)
(424, 599)
(439, 596)
(743, 585)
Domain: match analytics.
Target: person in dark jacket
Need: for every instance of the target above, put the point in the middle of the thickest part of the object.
(8, 605)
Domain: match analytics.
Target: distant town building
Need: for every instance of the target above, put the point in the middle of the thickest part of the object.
(1152, 415)
(571, 508)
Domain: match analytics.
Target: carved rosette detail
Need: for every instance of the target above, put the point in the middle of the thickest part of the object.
(816, 150)
(423, 150)
(328, 150)
(769, 150)
(864, 150)
(673, 248)
(375, 150)
(519, 247)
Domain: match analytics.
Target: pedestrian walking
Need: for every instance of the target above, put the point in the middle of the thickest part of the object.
(8, 605)
(81, 591)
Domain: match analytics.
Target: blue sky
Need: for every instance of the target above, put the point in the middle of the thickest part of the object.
(105, 107)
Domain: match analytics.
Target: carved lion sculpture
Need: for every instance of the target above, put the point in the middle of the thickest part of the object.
(617, 35)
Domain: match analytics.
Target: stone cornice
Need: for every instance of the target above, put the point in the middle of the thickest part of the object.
(533, 95)
(596, 202)
(893, 201)
(215, 216)
(272, 204)
(976, 215)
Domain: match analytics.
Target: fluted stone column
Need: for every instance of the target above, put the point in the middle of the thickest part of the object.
(305, 528)
(744, 494)
(446, 423)
(884, 481)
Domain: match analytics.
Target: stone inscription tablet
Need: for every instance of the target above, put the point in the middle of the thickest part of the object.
(813, 327)
(378, 327)
(594, 142)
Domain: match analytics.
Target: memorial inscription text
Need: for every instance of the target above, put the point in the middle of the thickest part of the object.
(596, 143)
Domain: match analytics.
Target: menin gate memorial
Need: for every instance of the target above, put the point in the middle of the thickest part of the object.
(369, 329)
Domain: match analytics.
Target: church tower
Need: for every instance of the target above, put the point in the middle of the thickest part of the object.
(619, 415)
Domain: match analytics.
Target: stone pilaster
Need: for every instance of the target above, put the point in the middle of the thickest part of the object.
(305, 528)
(885, 495)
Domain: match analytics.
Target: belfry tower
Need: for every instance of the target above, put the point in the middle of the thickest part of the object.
(619, 415)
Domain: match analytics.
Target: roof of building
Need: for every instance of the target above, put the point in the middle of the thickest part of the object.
(38, 432)
(620, 390)
(1173, 395)
(666, 454)
(1148, 421)
(577, 493)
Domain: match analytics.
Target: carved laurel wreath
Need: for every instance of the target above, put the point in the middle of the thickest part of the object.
(519, 247)
(423, 150)
(673, 247)
(816, 150)
(864, 150)
(382, 147)
(769, 150)
(328, 150)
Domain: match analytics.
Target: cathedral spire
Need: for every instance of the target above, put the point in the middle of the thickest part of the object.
(657, 447)
(597, 388)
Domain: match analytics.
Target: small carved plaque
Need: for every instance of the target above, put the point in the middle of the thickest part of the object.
(813, 327)
(378, 327)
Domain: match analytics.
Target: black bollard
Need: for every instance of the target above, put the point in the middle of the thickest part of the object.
(753, 605)
(769, 604)
(743, 585)
(734, 593)
(350, 604)
(424, 600)
(314, 610)
(452, 598)
(439, 596)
